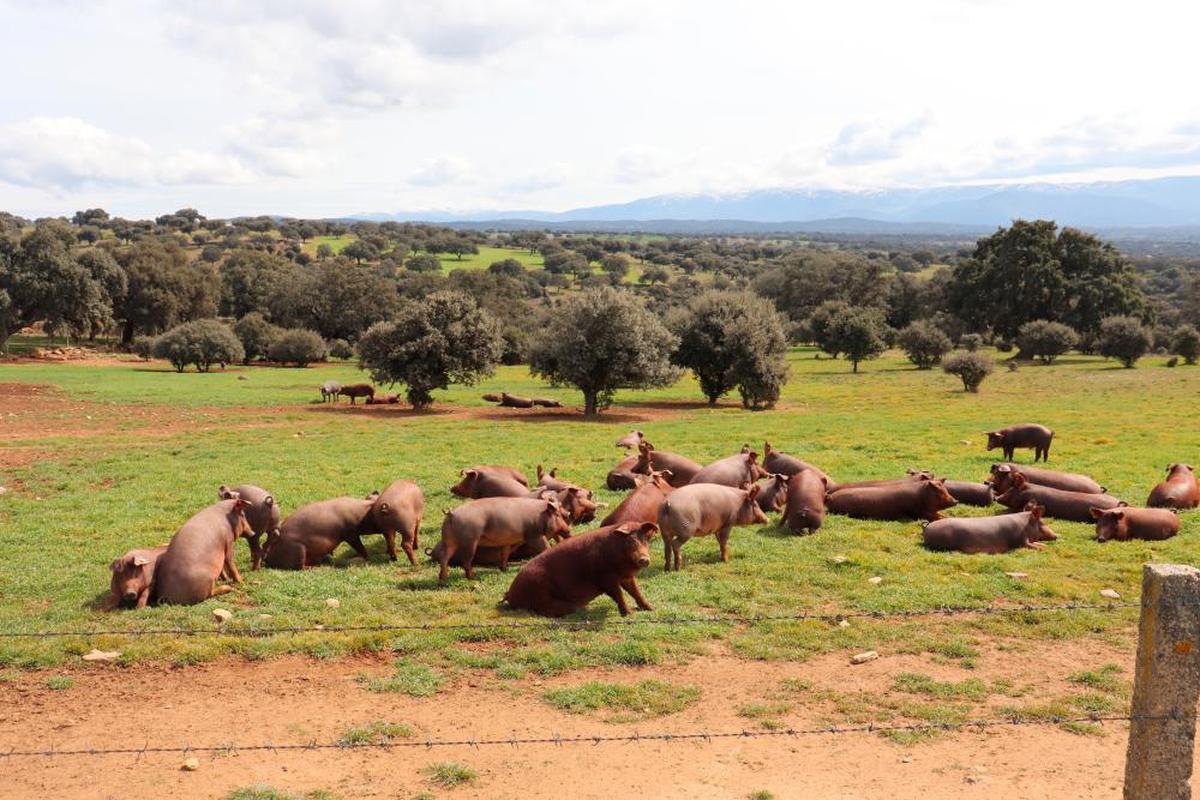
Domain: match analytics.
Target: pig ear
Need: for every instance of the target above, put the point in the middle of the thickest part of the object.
(626, 528)
(540, 471)
(648, 529)
(753, 491)
(269, 500)
(241, 503)
(223, 492)
(115, 566)
(766, 448)
(140, 561)
(1119, 513)
(752, 457)
(1096, 513)
(1037, 510)
(1190, 468)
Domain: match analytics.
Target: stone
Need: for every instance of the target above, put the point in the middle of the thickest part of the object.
(265, 617)
(222, 615)
(190, 764)
(1111, 594)
(843, 623)
(333, 602)
(101, 655)
(863, 658)
(839, 559)
(875, 580)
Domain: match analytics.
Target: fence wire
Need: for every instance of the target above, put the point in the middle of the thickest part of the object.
(559, 740)
(583, 624)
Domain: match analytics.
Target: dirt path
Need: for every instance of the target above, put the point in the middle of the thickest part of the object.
(298, 700)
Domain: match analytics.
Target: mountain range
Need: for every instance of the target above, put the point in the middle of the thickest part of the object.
(1152, 203)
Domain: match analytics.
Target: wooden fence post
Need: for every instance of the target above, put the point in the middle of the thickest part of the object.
(1158, 762)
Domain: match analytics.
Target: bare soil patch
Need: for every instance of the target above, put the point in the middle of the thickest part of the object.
(297, 700)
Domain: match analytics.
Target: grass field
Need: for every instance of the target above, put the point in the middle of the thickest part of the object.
(117, 456)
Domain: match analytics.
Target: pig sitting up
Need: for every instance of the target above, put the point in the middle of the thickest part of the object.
(570, 575)
(199, 553)
(132, 579)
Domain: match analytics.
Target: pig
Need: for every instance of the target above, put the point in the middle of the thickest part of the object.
(682, 469)
(199, 552)
(383, 400)
(312, 532)
(776, 462)
(701, 509)
(1125, 523)
(971, 494)
(550, 479)
(262, 514)
(477, 483)
(622, 476)
(490, 556)
(643, 503)
(1059, 504)
(503, 522)
(805, 509)
(492, 398)
(132, 578)
(731, 471)
(355, 390)
(570, 575)
(1179, 490)
(990, 535)
(1029, 436)
(912, 499)
(513, 401)
(1001, 479)
(772, 495)
(546, 402)
(576, 501)
(508, 472)
(631, 440)
(399, 508)
(913, 475)
(330, 391)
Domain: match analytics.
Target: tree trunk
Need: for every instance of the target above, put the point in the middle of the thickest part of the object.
(589, 404)
(127, 333)
(856, 366)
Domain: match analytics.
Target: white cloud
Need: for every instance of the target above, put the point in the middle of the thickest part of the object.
(442, 171)
(541, 178)
(642, 163)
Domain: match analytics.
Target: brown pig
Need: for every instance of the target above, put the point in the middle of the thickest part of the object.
(546, 402)
(490, 556)
(631, 440)
(312, 532)
(570, 575)
(919, 499)
(576, 501)
(132, 578)
(1034, 437)
(1001, 479)
(971, 494)
(500, 469)
(912, 475)
(1179, 490)
(682, 469)
(503, 522)
(1059, 504)
(622, 476)
(772, 496)
(642, 504)
(551, 480)
(199, 552)
(398, 509)
(355, 390)
(262, 514)
(514, 401)
(783, 464)
(701, 509)
(805, 509)
(732, 471)
(477, 482)
(990, 535)
(1125, 523)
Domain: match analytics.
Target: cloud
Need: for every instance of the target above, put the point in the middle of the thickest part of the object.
(863, 143)
(539, 179)
(442, 171)
(66, 153)
(640, 163)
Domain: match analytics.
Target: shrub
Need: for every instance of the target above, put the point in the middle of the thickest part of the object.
(444, 338)
(340, 348)
(858, 333)
(256, 335)
(143, 347)
(1045, 340)
(1123, 338)
(1004, 345)
(924, 344)
(202, 342)
(970, 342)
(1186, 343)
(424, 262)
(971, 368)
(1173, 361)
(297, 346)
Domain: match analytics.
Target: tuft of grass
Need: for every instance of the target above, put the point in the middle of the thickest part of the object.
(449, 774)
(60, 682)
(766, 714)
(915, 683)
(262, 791)
(377, 732)
(761, 794)
(415, 680)
(625, 702)
(1106, 679)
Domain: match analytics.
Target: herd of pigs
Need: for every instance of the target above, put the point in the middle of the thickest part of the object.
(669, 495)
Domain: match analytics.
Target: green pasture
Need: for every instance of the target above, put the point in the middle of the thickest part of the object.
(169, 440)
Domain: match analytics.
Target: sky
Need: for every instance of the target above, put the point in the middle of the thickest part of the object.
(317, 109)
